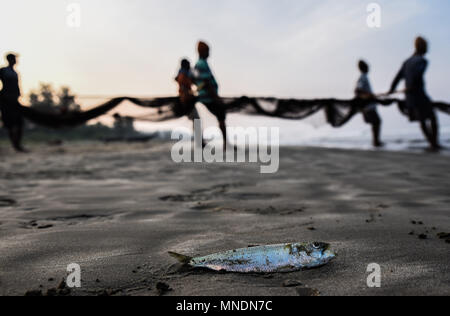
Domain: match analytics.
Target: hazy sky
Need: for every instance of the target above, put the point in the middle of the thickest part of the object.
(295, 48)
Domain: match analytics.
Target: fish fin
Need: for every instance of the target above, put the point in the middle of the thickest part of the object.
(181, 258)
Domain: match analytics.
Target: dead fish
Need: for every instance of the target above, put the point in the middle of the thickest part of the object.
(264, 259)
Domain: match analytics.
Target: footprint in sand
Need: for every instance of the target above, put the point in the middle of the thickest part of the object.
(6, 202)
(269, 211)
(69, 221)
(203, 194)
(444, 236)
(203, 206)
(253, 196)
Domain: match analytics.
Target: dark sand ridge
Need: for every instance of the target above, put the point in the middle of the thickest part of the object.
(117, 209)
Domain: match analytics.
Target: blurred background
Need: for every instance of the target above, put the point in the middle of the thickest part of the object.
(298, 49)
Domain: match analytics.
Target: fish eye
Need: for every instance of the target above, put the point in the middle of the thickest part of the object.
(316, 245)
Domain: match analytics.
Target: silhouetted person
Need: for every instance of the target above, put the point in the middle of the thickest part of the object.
(185, 79)
(417, 101)
(364, 91)
(208, 89)
(9, 103)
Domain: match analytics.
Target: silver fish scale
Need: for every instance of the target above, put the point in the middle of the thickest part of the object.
(266, 259)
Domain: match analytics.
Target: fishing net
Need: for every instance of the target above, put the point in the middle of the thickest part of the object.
(337, 112)
(69, 119)
(443, 107)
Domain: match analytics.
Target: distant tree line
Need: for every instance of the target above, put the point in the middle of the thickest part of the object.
(48, 100)
(61, 101)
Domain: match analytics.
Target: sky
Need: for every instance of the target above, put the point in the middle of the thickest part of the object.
(285, 48)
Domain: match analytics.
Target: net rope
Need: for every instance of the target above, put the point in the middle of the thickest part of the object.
(338, 112)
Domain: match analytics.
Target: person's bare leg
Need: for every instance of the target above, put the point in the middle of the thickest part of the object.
(376, 130)
(20, 135)
(16, 134)
(197, 128)
(223, 129)
(435, 131)
(426, 131)
(12, 139)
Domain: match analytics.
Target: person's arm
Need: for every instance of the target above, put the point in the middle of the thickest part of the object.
(397, 80)
(363, 94)
(212, 90)
(1, 80)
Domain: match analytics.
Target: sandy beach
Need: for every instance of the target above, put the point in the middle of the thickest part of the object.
(117, 209)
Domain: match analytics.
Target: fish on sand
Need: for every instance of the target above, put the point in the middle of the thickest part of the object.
(264, 259)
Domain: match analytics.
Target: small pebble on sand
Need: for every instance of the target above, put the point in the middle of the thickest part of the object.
(307, 292)
(292, 283)
(443, 235)
(162, 288)
(423, 236)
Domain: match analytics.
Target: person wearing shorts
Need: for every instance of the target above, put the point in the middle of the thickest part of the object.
(364, 91)
(418, 104)
(208, 89)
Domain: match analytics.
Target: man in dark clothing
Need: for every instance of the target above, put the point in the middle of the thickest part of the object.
(418, 104)
(364, 91)
(9, 104)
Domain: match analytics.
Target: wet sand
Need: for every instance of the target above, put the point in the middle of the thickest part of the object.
(117, 209)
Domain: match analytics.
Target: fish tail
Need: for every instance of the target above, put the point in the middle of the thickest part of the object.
(181, 258)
